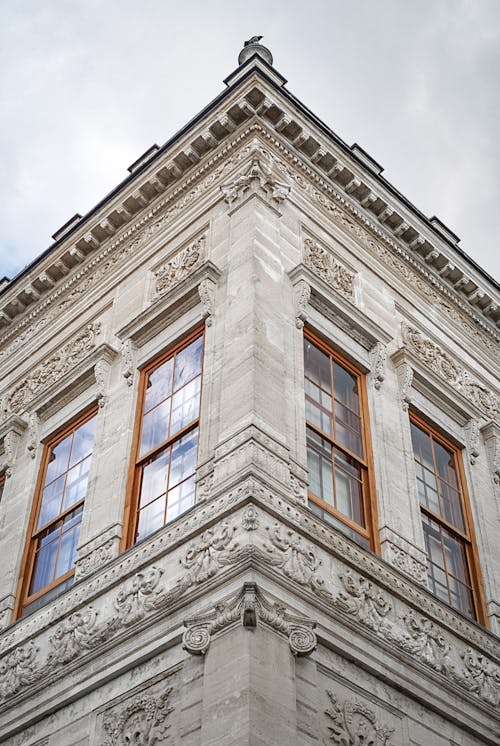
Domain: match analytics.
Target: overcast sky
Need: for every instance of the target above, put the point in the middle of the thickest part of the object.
(86, 86)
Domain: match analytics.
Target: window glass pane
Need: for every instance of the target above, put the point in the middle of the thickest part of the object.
(180, 499)
(432, 536)
(154, 478)
(346, 530)
(319, 417)
(427, 488)
(83, 441)
(183, 462)
(436, 581)
(348, 490)
(44, 561)
(461, 597)
(185, 405)
(58, 459)
(451, 504)
(348, 429)
(317, 366)
(319, 463)
(345, 387)
(445, 464)
(188, 363)
(422, 446)
(67, 548)
(2, 484)
(456, 562)
(155, 427)
(159, 385)
(51, 501)
(151, 518)
(76, 483)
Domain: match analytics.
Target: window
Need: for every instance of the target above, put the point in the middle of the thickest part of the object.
(167, 438)
(337, 448)
(445, 520)
(2, 484)
(58, 512)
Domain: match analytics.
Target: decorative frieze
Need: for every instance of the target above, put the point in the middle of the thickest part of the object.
(169, 274)
(326, 266)
(52, 369)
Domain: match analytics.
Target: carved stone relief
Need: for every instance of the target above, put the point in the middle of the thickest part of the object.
(302, 295)
(52, 369)
(355, 724)
(378, 355)
(325, 265)
(206, 291)
(452, 373)
(144, 721)
(491, 435)
(179, 266)
(257, 179)
(128, 362)
(249, 607)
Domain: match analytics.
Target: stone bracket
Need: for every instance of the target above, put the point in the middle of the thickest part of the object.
(249, 607)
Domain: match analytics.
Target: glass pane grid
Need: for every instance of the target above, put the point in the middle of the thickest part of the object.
(166, 479)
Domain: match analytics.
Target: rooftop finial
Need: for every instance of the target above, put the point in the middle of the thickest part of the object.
(252, 47)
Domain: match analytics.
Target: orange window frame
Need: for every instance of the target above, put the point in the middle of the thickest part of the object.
(23, 598)
(466, 536)
(138, 462)
(369, 505)
(2, 485)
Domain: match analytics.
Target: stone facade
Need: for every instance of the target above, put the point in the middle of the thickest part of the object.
(249, 619)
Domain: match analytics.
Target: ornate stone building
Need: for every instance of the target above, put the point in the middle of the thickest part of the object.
(250, 454)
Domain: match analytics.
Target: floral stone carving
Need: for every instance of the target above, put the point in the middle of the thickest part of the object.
(296, 560)
(355, 724)
(324, 264)
(52, 369)
(143, 722)
(18, 669)
(365, 602)
(181, 264)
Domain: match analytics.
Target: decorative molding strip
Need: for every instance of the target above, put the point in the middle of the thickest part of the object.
(323, 262)
(404, 556)
(249, 607)
(51, 370)
(450, 372)
(378, 355)
(355, 724)
(169, 274)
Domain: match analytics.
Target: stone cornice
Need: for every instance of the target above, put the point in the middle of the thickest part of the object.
(363, 229)
(346, 171)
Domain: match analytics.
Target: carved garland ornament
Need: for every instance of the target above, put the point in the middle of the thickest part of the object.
(257, 179)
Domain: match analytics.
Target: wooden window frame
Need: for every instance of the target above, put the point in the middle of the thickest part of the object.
(466, 537)
(137, 462)
(369, 503)
(2, 484)
(29, 554)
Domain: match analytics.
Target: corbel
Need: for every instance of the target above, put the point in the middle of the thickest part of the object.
(10, 433)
